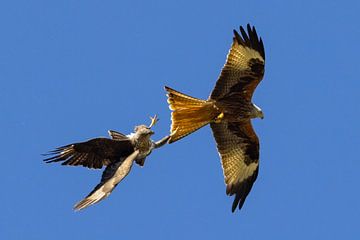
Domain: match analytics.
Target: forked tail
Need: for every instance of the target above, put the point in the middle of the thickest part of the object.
(189, 114)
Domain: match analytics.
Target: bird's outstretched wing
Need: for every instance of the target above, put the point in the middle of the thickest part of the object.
(244, 67)
(238, 147)
(95, 153)
(112, 175)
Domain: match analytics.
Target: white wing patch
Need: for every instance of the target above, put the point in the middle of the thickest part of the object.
(239, 56)
(234, 167)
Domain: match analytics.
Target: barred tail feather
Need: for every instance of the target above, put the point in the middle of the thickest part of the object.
(189, 114)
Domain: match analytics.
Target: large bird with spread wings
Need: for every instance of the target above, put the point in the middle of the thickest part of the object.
(229, 111)
(117, 154)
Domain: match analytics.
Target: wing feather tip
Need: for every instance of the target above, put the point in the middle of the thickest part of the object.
(235, 203)
(83, 204)
(249, 39)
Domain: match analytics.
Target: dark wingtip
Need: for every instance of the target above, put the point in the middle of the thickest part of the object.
(236, 202)
(56, 154)
(241, 203)
(233, 207)
(250, 39)
(249, 28)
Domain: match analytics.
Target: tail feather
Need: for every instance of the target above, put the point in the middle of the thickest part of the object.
(189, 114)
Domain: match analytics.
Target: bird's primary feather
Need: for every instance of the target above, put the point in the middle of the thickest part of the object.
(94, 153)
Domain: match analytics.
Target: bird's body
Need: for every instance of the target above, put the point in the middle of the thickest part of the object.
(117, 154)
(228, 110)
(141, 142)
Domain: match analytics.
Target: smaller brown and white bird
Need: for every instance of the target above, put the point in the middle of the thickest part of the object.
(117, 154)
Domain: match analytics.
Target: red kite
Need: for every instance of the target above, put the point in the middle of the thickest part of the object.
(229, 111)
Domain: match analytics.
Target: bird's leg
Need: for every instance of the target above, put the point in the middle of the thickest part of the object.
(154, 120)
(219, 118)
(163, 141)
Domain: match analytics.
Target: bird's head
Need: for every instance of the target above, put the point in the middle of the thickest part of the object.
(257, 112)
(143, 130)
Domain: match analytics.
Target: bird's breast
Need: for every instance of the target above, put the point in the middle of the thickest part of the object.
(234, 110)
(144, 146)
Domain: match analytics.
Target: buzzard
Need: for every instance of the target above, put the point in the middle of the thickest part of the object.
(229, 110)
(117, 154)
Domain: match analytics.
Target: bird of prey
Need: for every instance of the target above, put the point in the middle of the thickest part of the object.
(117, 154)
(229, 110)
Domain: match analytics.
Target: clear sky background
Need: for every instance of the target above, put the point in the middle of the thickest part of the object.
(71, 70)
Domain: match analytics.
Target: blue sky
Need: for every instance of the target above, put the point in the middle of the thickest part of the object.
(71, 70)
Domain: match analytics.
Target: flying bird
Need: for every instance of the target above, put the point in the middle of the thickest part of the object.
(117, 154)
(228, 110)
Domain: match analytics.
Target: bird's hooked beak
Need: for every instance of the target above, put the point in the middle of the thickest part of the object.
(261, 115)
(257, 112)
